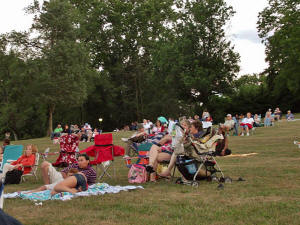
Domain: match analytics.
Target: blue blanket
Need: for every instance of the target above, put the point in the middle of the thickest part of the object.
(95, 189)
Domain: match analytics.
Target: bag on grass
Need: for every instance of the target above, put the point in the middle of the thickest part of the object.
(137, 174)
(13, 177)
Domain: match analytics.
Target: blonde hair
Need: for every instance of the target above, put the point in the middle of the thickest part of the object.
(33, 148)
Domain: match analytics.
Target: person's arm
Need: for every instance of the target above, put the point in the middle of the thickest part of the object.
(66, 170)
(64, 175)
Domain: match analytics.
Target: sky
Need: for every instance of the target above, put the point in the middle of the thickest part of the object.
(241, 30)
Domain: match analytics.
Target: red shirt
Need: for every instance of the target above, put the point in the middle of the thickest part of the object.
(25, 161)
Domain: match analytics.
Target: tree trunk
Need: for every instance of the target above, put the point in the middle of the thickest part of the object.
(50, 121)
(137, 97)
(15, 135)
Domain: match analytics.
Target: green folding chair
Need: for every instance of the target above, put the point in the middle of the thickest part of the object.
(11, 153)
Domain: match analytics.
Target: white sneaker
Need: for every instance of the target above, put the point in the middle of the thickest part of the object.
(124, 139)
(242, 134)
(126, 156)
(247, 134)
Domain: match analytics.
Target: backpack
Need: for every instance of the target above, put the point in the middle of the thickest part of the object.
(13, 177)
(137, 174)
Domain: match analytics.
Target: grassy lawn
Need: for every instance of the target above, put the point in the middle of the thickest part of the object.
(270, 194)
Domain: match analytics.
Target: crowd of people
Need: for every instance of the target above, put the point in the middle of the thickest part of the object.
(77, 176)
(85, 132)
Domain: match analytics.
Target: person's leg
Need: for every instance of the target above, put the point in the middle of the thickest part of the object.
(165, 139)
(128, 147)
(247, 130)
(89, 134)
(49, 173)
(7, 167)
(153, 154)
(67, 185)
(45, 172)
(171, 165)
(41, 188)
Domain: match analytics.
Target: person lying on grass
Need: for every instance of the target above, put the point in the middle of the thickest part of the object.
(52, 177)
(74, 183)
(71, 172)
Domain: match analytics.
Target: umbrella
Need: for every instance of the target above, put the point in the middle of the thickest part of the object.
(162, 119)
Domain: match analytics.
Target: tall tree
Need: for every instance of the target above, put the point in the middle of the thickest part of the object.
(64, 64)
(279, 27)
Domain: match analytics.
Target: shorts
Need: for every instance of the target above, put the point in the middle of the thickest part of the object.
(167, 148)
(81, 182)
(54, 176)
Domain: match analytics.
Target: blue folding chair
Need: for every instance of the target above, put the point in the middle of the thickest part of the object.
(11, 153)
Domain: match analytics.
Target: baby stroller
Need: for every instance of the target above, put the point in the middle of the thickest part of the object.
(196, 159)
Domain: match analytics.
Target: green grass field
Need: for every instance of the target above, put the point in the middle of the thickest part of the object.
(270, 194)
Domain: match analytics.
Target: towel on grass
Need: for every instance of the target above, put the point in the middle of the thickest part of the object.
(241, 155)
(95, 189)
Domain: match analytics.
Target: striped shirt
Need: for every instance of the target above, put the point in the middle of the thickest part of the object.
(89, 172)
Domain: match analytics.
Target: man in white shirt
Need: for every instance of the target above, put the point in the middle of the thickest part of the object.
(229, 123)
(247, 124)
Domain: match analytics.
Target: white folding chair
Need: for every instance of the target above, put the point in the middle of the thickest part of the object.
(34, 168)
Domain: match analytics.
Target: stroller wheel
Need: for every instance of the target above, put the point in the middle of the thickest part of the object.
(222, 180)
(228, 180)
(179, 181)
(195, 184)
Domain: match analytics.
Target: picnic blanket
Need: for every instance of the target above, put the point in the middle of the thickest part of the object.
(241, 155)
(95, 189)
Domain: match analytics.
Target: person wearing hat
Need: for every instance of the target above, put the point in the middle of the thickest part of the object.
(137, 137)
(229, 123)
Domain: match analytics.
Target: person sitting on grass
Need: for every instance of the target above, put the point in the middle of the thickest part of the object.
(229, 123)
(23, 163)
(51, 177)
(257, 121)
(268, 119)
(289, 116)
(222, 144)
(57, 132)
(247, 124)
(278, 114)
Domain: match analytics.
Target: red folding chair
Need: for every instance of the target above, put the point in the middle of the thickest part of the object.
(104, 152)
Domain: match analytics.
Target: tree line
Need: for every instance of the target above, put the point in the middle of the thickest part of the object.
(125, 60)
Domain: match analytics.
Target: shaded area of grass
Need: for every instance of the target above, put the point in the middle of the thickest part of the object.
(270, 194)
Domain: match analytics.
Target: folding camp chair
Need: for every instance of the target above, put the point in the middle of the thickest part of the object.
(104, 152)
(68, 150)
(33, 168)
(11, 153)
(143, 155)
